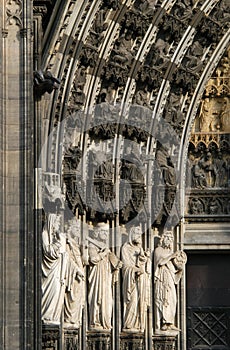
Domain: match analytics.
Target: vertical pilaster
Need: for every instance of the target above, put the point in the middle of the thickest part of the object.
(16, 177)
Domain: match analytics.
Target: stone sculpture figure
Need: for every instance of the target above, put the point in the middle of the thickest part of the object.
(221, 170)
(196, 206)
(209, 117)
(122, 50)
(146, 7)
(45, 82)
(54, 261)
(168, 268)
(224, 114)
(53, 198)
(198, 176)
(136, 275)
(75, 291)
(166, 166)
(103, 263)
(209, 168)
(132, 166)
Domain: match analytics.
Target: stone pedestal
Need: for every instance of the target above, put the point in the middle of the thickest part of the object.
(51, 338)
(71, 339)
(163, 342)
(132, 341)
(99, 340)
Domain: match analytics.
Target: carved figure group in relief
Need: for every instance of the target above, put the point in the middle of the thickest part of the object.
(209, 170)
(136, 282)
(168, 268)
(103, 265)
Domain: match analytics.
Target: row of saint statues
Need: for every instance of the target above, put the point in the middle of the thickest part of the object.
(64, 278)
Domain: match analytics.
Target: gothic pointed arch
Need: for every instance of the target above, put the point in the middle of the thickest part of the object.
(134, 82)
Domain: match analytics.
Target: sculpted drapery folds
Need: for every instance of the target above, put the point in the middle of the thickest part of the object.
(168, 267)
(54, 262)
(136, 279)
(75, 290)
(63, 274)
(103, 265)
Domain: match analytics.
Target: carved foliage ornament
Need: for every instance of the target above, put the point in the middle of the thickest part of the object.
(14, 12)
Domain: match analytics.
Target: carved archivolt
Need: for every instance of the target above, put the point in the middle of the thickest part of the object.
(134, 52)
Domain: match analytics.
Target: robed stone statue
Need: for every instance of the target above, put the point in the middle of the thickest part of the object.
(136, 282)
(168, 268)
(102, 265)
(54, 260)
(75, 286)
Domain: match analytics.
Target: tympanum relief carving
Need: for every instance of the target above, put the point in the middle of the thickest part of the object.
(208, 170)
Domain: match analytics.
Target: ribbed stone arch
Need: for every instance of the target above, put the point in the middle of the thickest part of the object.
(67, 36)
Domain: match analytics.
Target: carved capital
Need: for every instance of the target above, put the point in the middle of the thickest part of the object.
(4, 32)
(23, 32)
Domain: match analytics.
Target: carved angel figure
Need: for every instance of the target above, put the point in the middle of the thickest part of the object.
(103, 264)
(168, 267)
(75, 291)
(136, 274)
(54, 261)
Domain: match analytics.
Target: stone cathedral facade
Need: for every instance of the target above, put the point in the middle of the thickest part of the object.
(115, 174)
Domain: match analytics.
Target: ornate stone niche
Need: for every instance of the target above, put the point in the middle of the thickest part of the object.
(98, 341)
(132, 341)
(71, 339)
(51, 338)
(164, 343)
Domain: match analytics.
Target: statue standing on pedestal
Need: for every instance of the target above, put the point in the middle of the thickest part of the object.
(103, 264)
(136, 277)
(75, 290)
(54, 261)
(168, 268)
